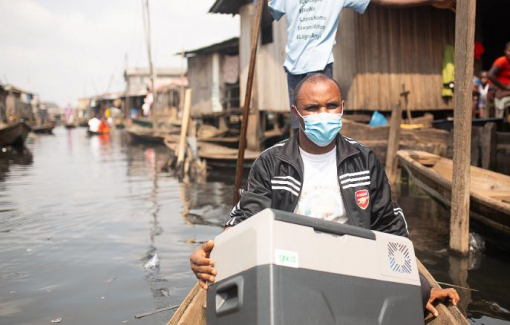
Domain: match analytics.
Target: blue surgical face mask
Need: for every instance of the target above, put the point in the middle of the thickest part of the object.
(322, 128)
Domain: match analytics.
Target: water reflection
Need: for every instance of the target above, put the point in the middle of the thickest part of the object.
(481, 279)
(14, 156)
(79, 211)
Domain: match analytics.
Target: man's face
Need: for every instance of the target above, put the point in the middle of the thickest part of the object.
(319, 97)
(507, 52)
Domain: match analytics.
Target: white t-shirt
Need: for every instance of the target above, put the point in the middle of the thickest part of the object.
(320, 195)
(311, 30)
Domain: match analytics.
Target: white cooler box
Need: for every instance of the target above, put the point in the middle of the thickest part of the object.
(279, 268)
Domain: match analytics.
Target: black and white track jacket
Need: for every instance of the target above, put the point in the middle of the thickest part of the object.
(276, 177)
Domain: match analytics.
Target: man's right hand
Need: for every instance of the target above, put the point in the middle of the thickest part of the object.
(202, 265)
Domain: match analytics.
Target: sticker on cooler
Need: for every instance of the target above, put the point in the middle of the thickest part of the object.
(286, 258)
(362, 198)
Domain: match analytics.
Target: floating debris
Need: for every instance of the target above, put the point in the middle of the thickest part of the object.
(56, 320)
(153, 263)
(109, 281)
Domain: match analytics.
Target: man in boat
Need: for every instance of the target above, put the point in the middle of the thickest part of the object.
(499, 74)
(311, 32)
(322, 174)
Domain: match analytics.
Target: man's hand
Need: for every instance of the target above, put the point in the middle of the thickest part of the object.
(436, 293)
(202, 265)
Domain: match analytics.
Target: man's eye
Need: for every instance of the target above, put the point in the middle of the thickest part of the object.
(332, 106)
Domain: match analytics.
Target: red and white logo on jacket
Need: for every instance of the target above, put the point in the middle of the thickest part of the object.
(362, 198)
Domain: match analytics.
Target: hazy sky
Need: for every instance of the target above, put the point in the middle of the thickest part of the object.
(66, 49)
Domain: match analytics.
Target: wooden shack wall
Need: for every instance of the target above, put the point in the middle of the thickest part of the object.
(200, 74)
(375, 54)
(270, 88)
(379, 51)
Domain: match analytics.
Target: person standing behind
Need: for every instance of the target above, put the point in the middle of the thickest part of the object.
(483, 90)
(311, 30)
(499, 74)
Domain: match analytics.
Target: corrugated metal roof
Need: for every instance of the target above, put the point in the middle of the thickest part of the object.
(230, 46)
(228, 6)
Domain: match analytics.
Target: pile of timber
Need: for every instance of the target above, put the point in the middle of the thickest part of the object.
(376, 138)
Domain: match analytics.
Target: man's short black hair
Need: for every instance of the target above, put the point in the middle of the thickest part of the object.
(313, 78)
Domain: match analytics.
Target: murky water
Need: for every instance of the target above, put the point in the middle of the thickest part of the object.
(79, 218)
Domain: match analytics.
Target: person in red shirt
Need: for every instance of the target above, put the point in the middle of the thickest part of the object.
(499, 74)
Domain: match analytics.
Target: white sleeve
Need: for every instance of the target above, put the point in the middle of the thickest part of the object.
(277, 8)
(357, 5)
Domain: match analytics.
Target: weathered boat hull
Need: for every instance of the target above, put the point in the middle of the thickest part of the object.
(14, 134)
(485, 210)
(43, 128)
(146, 123)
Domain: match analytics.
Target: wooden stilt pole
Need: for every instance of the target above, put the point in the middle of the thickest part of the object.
(464, 58)
(184, 128)
(247, 99)
(393, 143)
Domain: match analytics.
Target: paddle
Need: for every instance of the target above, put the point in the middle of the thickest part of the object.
(247, 100)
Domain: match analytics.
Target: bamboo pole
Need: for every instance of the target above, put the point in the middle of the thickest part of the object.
(247, 100)
(147, 30)
(184, 128)
(464, 43)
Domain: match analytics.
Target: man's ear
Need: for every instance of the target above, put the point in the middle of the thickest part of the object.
(298, 117)
(343, 106)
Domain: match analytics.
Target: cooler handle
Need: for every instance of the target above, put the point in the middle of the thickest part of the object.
(326, 226)
(229, 296)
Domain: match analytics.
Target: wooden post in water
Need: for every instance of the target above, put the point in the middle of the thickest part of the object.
(464, 58)
(184, 128)
(393, 143)
(247, 100)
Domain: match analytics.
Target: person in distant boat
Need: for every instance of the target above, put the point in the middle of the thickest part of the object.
(499, 74)
(321, 174)
(147, 103)
(311, 32)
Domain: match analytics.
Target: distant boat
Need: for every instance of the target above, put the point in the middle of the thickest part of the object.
(490, 192)
(14, 134)
(143, 122)
(43, 128)
(90, 133)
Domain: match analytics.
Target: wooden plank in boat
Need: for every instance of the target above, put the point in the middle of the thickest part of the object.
(424, 158)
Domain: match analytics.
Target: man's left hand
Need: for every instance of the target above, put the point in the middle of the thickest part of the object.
(436, 293)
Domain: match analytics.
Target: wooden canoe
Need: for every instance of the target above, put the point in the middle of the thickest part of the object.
(490, 192)
(145, 134)
(14, 134)
(43, 128)
(216, 155)
(192, 310)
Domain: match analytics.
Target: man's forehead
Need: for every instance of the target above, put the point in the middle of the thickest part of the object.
(323, 89)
